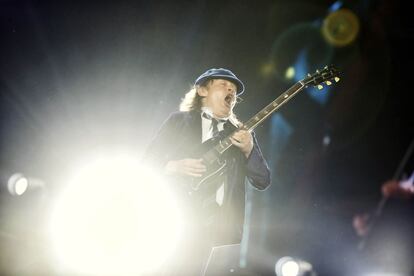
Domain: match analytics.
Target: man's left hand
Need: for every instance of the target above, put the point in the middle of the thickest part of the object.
(393, 188)
(243, 140)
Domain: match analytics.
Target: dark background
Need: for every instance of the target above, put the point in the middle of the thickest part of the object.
(83, 77)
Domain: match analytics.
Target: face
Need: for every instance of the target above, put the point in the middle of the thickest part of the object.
(219, 96)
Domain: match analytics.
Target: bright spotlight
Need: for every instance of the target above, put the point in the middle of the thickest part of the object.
(114, 217)
(17, 184)
(288, 266)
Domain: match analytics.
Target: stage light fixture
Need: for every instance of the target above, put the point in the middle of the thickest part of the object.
(17, 184)
(114, 217)
(288, 266)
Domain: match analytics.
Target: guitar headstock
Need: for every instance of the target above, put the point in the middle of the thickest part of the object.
(327, 75)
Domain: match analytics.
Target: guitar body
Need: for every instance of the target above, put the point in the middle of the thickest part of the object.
(201, 191)
(213, 159)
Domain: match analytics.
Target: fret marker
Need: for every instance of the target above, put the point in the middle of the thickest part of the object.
(285, 96)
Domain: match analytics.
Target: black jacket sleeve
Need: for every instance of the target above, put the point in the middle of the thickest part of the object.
(158, 151)
(257, 169)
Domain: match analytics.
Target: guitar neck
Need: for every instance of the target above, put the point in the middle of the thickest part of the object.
(328, 75)
(263, 114)
(273, 106)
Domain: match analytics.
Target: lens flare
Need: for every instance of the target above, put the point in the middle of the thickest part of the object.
(114, 217)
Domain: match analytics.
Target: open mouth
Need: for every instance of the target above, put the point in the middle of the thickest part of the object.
(229, 99)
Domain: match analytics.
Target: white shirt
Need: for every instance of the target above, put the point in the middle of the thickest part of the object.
(207, 133)
(207, 129)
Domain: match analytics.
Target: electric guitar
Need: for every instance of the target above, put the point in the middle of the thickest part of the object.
(201, 192)
(212, 150)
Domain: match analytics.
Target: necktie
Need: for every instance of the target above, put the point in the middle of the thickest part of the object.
(214, 126)
(214, 123)
(219, 195)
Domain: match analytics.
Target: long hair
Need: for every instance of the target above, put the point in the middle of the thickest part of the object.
(193, 101)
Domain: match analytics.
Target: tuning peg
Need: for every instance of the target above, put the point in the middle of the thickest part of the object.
(328, 82)
(337, 79)
(320, 87)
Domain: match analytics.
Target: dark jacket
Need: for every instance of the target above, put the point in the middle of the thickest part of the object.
(177, 138)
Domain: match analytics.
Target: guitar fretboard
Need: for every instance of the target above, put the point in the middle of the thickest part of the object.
(263, 114)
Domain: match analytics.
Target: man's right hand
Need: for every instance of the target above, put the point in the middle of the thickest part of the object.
(191, 167)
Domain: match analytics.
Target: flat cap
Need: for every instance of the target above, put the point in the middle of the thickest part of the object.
(220, 73)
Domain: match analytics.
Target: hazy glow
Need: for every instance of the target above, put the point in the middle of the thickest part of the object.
(341, 27)
(114, 217)
(335, 6)
(268, 69)
(17, 184)
(383, 274)
(290, 73)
